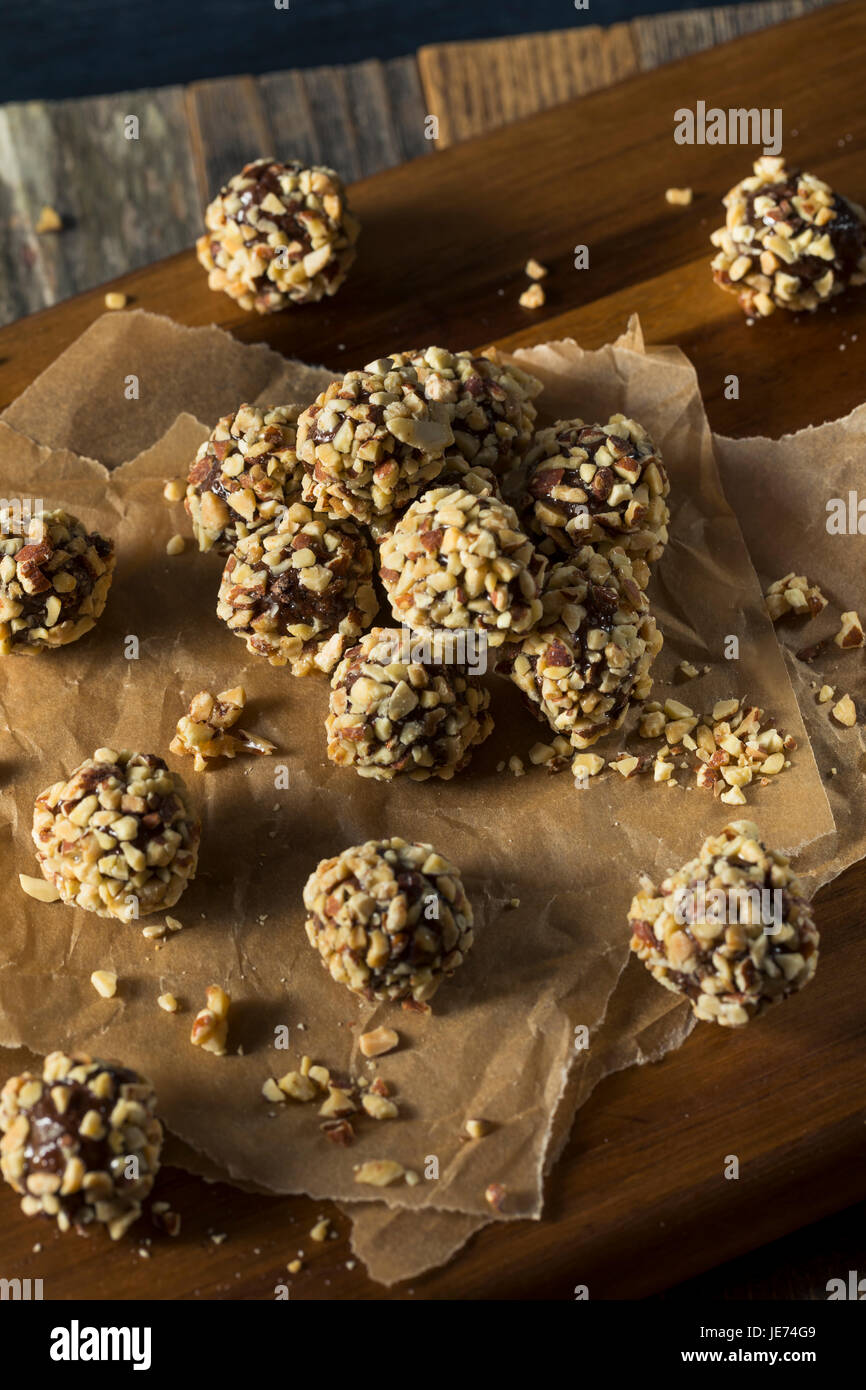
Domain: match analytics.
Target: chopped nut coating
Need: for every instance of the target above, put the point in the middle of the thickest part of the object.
(602, 485)
(54, 579)
(389, 919)
(242, 474)
(789, 241)
(118, 838)
(80, 1142)
(731, 930)
(391, 712)
(279, 234)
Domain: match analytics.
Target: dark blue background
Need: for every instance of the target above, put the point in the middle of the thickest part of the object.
(63, 48)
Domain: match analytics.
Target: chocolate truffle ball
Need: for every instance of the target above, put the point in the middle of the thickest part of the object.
(242, 473)
(389, 919)
(789, 241)
(80, 1142)
(279, 234)
(457, 561)
(54, 580)
(118, 838)
(589, 659)
(490, 403)
(392, 710)
(299, 589)
(731, 930)
(598, 484)
(371, 442)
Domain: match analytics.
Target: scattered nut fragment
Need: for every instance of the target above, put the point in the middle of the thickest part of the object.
(845, 712)
(174, 490)
(378, 1107)
(794, 594)
(625, 764)
(679, 197)
(48, 221)
(272, 1092)
(168, 1003)
(379, 1172)
(211, 1024)
(319, 1232)
(477, 1129)
(850, 633)
(175, 546)
(38, 888)
(115, 300)
(297, 1086)
(105, 983)
(295, 1266)
(534, 269)
(203, 732)
(826, 693)
(590, 763)
(494, 1195)
(379, 1041)
(533, 298)
(338, 1105)
(688, 670)
(173, 924)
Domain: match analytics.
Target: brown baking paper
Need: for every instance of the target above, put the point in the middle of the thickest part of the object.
(803, 484)
(499, 1042)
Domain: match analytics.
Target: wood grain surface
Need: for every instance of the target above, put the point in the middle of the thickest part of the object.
(125, 203)
(638, 1201)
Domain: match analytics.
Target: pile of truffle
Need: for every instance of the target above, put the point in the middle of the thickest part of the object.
(423, 469)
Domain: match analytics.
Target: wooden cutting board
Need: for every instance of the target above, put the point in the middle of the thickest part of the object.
(638, 1201)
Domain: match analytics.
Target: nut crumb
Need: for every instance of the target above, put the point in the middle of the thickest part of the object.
(210, 1025)
(203, 732)
(48, 221)
(319, 1232)
(39, 888)
(115, 300)
(175, 546)
(794, 594)
(826, 693)
(534, 269)
(294, 1266)
(494, 1195)
(105, 983)
(477, 1129)
(533, 298)
(379, 1041)
(845, 712)
(850, 633)
(168, 1003)
(379, 1172)
(174, 490)
(678, 197)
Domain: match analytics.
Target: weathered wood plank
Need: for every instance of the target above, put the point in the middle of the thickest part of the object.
(475, 87)
(229, 125)
(665, 37)
(124, 202)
